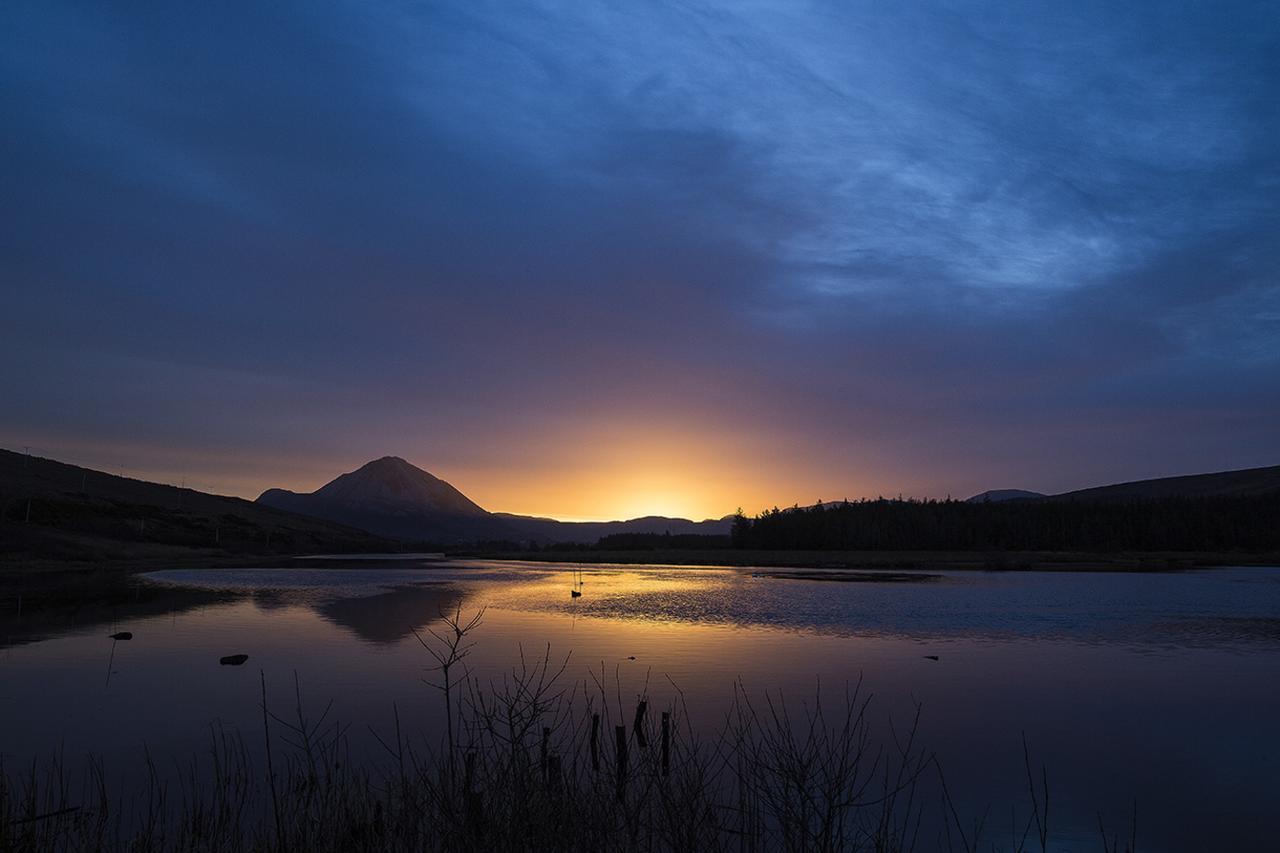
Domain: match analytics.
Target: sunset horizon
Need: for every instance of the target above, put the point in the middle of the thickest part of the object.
(441, 426)
(538, 266)
(648, 494)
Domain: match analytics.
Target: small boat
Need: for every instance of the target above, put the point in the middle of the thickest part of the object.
(576, 592)
(233, 660)
(123, 635)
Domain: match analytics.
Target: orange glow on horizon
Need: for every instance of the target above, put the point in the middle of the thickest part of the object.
(608, 495)
(641, 470)
(613, 469)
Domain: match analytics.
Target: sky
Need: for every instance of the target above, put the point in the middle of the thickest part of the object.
(603, 260)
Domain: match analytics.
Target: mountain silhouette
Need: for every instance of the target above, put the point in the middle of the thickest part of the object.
(97, 516)
(392, 497)
(390, 485)
(397, 499)
(1241, 483)
(995, 495)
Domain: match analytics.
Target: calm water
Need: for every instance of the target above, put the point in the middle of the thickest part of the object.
(1164, 688)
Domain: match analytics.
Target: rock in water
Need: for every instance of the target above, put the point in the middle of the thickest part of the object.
(233, 660)
(123, 635)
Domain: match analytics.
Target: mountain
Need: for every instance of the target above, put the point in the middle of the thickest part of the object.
(52, 511)
(392, 497)
(997, 495)
(1242, 483)
(390, 484)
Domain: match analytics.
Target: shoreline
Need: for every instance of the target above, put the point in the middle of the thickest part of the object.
(37, 590)
(39, 577)
(1001, 561)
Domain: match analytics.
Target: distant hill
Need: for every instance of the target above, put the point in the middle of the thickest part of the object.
(1243, 483)
(392, 497)
(50, 510)
(997, 495)
(550, 530)
(53, 511)
(1220, 514)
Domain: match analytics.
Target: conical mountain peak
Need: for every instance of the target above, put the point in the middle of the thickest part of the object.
(391, 483)
(393, 497)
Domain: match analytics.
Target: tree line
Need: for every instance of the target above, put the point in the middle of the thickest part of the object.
(1237, 523)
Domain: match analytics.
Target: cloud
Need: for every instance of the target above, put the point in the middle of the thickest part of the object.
(910, 245)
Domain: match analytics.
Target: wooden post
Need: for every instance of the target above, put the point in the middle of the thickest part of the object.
(553, 773)
(666, 743)
(475, 804)
(595, 741)
(638, 725)
(542, 762)
(620, 760)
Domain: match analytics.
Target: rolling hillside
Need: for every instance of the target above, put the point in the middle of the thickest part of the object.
(1244, 483)
(51, 510)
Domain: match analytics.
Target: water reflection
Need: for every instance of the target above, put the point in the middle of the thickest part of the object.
(384, 605)
(1147, 686)
(1150, 612)
(389, 617)
(380, 606)
(102, 615)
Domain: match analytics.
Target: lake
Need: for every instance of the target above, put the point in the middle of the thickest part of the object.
(1160, 689)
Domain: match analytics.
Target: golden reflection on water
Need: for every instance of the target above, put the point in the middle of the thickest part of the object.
(681, 636)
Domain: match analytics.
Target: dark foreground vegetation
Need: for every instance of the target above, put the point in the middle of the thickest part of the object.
(530, 763)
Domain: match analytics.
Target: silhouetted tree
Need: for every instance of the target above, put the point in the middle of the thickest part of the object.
(1245, 523)
(740, 530)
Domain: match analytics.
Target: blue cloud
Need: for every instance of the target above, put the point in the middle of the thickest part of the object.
(863, 221)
